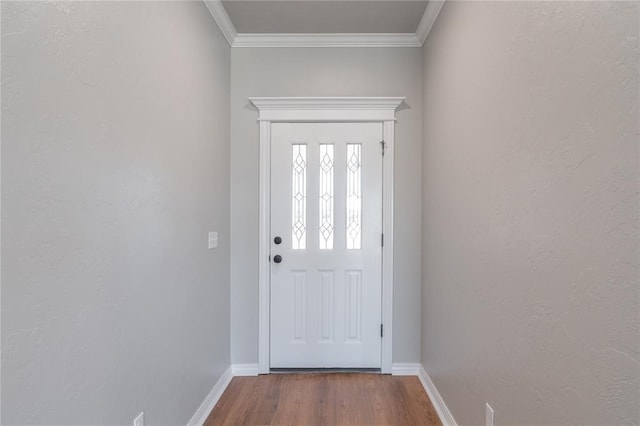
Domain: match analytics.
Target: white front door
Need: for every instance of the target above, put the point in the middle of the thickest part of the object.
(326, 248)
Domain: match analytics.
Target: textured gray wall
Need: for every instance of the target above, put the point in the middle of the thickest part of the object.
(324, 72)
(115, 165)
(530, 211)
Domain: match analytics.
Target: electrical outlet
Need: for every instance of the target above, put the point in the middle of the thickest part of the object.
(139, 421)
(489, 415)
(213, 240)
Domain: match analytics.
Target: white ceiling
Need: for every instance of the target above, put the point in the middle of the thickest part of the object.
(325, 16)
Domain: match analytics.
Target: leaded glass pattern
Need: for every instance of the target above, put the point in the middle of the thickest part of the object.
(299, 197)
(326, 226)
(354, 196)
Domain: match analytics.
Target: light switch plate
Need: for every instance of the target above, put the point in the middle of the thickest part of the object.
(213, 240)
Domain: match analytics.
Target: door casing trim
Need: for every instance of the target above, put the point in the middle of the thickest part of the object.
(325, 109)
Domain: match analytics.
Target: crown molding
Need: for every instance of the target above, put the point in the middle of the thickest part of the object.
(222, 19)
(428, 19)
(325, 40)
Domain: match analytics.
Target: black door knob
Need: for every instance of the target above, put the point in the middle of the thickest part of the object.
(277, 258)
(277, 240)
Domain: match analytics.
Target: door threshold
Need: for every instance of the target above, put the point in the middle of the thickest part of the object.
(322, 370)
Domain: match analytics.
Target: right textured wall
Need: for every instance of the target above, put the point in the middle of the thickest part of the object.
(530, 297)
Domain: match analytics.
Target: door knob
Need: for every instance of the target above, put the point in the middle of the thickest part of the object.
(277, 240)
(277, 258)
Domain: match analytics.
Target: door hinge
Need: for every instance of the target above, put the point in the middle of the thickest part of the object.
(382, 240)
(383, 145)
(381, 330)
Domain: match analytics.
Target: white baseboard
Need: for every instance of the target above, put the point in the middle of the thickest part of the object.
(244, 369)
(210, 401)
(416, 369)
(405, 369)
(445, 415)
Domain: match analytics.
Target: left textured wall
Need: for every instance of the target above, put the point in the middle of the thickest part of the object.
(115, 166)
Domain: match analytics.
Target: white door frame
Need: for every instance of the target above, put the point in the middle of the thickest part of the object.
(291, 110)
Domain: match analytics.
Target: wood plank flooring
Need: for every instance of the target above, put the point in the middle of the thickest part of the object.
(324, 399)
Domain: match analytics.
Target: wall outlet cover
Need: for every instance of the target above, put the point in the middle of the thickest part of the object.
(489, 415)
(139, 421)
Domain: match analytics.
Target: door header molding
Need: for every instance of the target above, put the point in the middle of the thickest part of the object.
(292, 109)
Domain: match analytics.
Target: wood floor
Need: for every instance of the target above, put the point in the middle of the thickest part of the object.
(324, 399)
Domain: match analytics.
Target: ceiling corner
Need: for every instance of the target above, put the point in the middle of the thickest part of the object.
(428, 19)
(222, 19)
